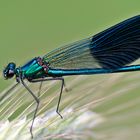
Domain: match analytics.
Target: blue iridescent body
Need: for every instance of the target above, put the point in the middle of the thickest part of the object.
(110, 51)
(33, 70)
(29, 73)
(63, 72)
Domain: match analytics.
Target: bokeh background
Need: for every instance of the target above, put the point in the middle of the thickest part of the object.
(32, 28)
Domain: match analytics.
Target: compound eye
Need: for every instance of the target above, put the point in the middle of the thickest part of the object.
(9, 71)
(10, 74)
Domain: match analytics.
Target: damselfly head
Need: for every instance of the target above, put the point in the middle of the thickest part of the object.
(9, 70)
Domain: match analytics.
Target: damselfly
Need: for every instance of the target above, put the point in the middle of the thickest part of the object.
(110, 51)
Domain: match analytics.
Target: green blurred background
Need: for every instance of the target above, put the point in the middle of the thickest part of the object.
(33, 28)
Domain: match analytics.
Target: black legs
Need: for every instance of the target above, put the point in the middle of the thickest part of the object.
(37, 98)
(40, 86)
(37, 101)
(61, 90)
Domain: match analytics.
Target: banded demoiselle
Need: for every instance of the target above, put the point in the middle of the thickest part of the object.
(109, 51)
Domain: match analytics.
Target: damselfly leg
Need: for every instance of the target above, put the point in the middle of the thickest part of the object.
(61, 90)
(40, 86)
(35, 98)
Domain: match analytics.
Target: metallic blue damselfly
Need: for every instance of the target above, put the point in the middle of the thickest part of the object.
(110, 51)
